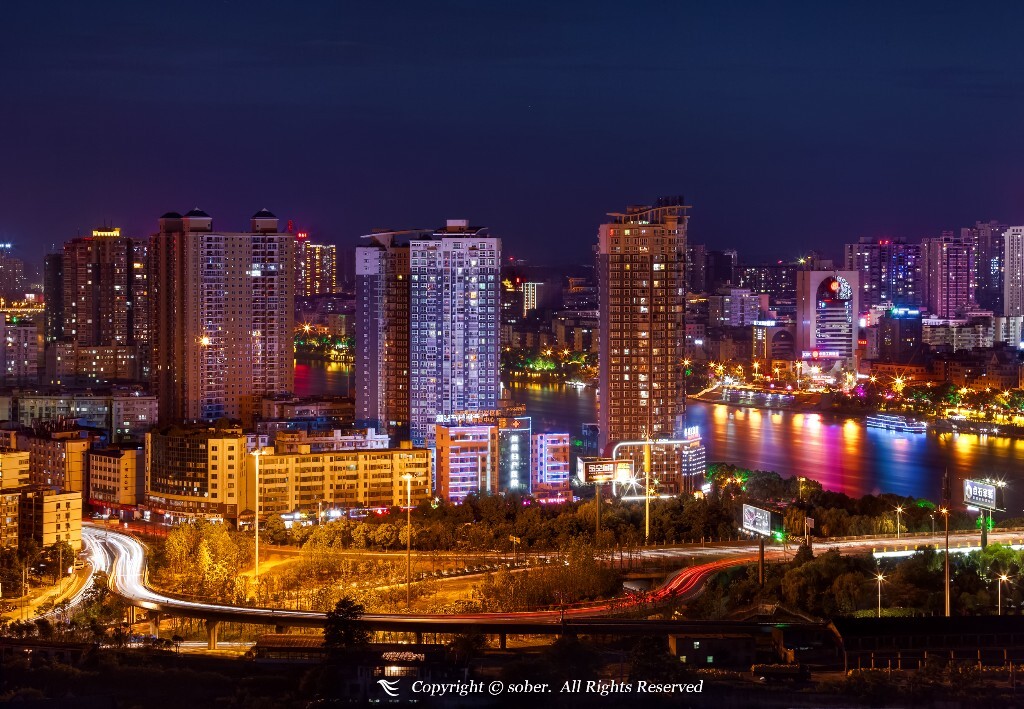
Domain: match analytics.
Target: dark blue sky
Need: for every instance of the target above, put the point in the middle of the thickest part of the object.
(787, 125)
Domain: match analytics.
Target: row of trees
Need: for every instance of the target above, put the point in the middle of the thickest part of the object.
(832, 585)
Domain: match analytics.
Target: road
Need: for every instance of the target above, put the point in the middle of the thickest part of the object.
(124, 558)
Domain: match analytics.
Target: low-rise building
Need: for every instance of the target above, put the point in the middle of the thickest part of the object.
(332, 439)
(57, 456)
(9, 526)
(291, 407)
(49, 517)
(14, 469)
(343, 479)
(196, 471)
(117, 479)
(467, 460)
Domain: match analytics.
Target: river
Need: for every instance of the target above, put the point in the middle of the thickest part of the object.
(839, 452)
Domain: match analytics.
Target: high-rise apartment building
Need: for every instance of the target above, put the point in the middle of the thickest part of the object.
(53, 295)
(1013, 271)
(106, 289)
(427, 313)
(223, 316)
(13, 283)
(316, 267)
(19, 352)
(947, 274)
(641, 256)
(735, 307)
(890, 271)
(454, 326)
(382, 332)
(102, 283)
(989, 251)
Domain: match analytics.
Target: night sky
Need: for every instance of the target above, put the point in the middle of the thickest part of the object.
(787, 126)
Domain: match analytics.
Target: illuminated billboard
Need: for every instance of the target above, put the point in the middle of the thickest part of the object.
(985, 496)
(757, 520)
(601, 471)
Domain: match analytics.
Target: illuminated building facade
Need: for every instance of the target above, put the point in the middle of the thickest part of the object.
(316, 271)
(641, 272)
(948, 275)
(467, 460)
(890, 271)
(223, 314)
(514, 434)
(828, 310)
(313, 482)
(454, 326)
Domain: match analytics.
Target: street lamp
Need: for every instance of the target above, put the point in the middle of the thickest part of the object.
(880, 578)
(899, 511)
(1002, 577)
(408, 540)
(256, 457)
(945, 513)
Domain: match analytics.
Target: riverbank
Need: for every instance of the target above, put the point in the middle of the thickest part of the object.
(807, 402)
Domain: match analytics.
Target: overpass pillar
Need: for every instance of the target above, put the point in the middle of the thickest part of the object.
(281, 629)
(154, 623)
(502, 641)
(419, 637)
(211, 634)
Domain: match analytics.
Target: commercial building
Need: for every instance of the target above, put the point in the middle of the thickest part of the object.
(466, 460)
(196, 471)
(316, 267)
(223, 316)
(641, 272)
(901, 336)
(308, 482)
(552, 466)
(514, 434)
(828, 310)
(49, 517)
(117, 479)
(948, 274)
(889, 271)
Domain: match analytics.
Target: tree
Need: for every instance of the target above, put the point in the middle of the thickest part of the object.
(343, 630)
(385, 535)
(274, 530)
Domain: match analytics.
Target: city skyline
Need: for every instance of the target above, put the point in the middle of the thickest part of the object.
(806, 130)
